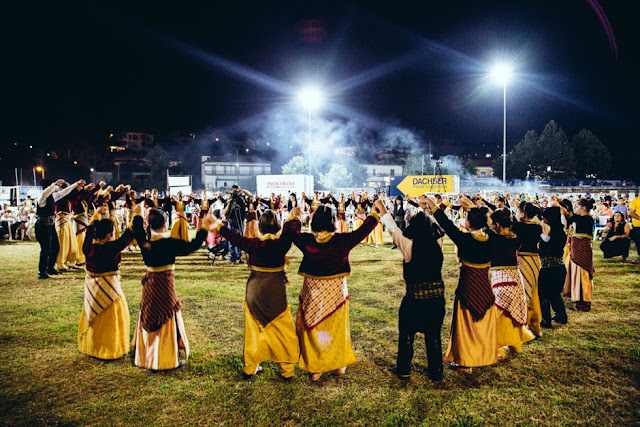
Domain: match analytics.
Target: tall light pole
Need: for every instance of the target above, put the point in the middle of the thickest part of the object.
(40, 169)
(311, 99)
(501, 73)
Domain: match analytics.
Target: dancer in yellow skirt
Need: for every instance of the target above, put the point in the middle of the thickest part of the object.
(68, 253)
(341, 215)
(269, 333)
(160, 333)
(104, 324)
(322, 322)
(180, 227)
(528, 232)
(506, 281)
(474, 338)
(580, 270)
(80, 208)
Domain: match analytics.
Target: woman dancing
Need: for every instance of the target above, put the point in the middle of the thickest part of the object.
(269, 333)
(160, 333)
(474, 337)
(553, 271)
(104, 324)
(579, 281)
(422, 308)
(322, 322)
(506, 281)
(528, 232)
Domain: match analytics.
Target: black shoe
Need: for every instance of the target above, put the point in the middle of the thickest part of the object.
(436, 378)
(561, 320)
(53, 272)
(258, 372)
(42, 276)
(403, 377)
(545, 325)
(394, 247)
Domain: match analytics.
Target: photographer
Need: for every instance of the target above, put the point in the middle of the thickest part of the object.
(235, 211)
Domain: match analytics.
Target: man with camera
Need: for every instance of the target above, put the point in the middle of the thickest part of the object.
(235, 211)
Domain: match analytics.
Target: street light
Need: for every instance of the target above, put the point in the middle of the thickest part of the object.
(41, 170)
(311, 99)
(501, 74)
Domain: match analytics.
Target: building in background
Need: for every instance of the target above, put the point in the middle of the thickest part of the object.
(484, 167)
(220, 173)
(378, 175)
(133, 141)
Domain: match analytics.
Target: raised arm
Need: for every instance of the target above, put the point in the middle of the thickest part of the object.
(449, 227)
(249, 245)
(404, 244)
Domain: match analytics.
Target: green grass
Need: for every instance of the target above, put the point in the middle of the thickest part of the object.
(586, 372)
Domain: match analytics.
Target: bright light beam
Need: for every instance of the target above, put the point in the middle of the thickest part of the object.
(310, 98)
(502, 73)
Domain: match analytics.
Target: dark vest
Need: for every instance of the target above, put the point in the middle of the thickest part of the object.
(48, 209)
(425, 264)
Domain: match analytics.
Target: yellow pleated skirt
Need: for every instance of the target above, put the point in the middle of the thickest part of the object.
(159, 350)
(472, 343)
(108, 337)
(530, 270)
(511, 334)
(357, 223)
(377, 235)
(68, 253)
(80, 240)
(180, 229)
(578, 284)
(327, 346)
(277, 341)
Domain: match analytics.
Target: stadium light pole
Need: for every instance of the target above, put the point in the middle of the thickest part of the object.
(501, 74)
(311, 99)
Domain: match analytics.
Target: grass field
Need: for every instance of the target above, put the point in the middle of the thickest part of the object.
(587, 372)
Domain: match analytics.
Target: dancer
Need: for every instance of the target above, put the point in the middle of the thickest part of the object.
(104, 324)
(159, 332)
(322, 321)
(269, 333)
(579, 281)
(68, 253)
(528, 232)
(553, 271)
(251, 228)
(398, 215)
(45, 229)
(506, 281)
(474, 337)
(422, 308)
(616, 242)
(81, 216)
(180, 227)
(341, 215)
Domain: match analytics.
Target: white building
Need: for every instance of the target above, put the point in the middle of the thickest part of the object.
(379, 175)
(221, 174)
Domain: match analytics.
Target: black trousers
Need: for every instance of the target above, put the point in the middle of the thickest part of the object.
(48, 238)
(550, 286)
(424, 316)
(635, 236)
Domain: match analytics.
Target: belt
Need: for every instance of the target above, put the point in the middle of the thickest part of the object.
(45, 220)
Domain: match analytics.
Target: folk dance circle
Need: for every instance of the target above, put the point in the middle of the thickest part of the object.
(518, 258)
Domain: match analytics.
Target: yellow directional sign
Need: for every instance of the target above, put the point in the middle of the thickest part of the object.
(416, 185)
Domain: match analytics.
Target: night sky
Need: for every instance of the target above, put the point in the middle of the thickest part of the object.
(83, 71)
